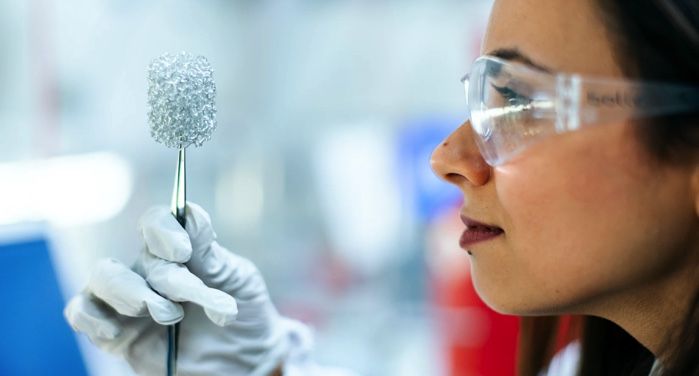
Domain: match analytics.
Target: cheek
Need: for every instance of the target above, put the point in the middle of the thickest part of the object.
(564, 199)
(552, 200)
(555, 238)
(572, 216)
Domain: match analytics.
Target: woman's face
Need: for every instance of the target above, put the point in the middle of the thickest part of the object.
(587, 216)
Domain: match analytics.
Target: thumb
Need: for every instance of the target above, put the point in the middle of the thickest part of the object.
(215, 265)
(206, 262)
(198, 226)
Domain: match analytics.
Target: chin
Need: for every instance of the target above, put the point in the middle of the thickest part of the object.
(498, 302)
(519, 305)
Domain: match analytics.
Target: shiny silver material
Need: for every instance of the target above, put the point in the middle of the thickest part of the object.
(181, 112)
(179, 190)
(177, 207)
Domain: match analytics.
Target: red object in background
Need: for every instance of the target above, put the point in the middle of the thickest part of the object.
(476, 340)
(482, 342)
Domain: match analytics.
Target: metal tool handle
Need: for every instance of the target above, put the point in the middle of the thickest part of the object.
(177, 207)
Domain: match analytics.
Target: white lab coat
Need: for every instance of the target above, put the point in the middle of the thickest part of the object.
(565, 363)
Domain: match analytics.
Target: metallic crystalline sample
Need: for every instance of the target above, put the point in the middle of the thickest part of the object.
(181, 100)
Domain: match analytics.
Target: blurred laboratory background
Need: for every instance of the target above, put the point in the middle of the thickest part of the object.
(318, 171)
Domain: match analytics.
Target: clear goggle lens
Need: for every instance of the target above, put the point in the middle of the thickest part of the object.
(513, 106)
(506, 113)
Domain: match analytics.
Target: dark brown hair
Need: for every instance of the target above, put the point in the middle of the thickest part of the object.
(658, 40)
(654, 40)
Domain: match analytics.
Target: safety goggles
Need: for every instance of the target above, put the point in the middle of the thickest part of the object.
(512, 105)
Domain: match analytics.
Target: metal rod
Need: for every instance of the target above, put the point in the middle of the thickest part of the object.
(179, 195)
(177, 207)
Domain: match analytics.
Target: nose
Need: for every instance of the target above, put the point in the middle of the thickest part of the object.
(458, 161)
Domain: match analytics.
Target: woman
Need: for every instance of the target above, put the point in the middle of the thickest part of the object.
(603, 221)
(580, 173)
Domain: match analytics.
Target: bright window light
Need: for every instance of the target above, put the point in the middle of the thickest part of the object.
(65, 191)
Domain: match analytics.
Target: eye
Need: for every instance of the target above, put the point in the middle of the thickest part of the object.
(511, 96)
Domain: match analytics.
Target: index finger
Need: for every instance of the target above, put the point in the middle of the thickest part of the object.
(175, 282)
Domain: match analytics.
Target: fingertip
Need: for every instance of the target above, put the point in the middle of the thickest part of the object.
(197, 219)
(196, 211)
(121, 289)
(165, 312)
(221, 319)
(221, 308)
(164, 236)
(69, 311)
(85, 316)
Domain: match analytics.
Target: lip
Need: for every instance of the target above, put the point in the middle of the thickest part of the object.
(477, 232)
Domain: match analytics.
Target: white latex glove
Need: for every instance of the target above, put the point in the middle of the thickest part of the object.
(228, 324)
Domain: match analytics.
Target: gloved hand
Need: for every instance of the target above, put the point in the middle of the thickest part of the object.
(228, 323)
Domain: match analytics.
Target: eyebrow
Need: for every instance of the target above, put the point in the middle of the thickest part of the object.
(515, 54)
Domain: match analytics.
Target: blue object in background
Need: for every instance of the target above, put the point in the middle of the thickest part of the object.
(428, 195)
(34, 337)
